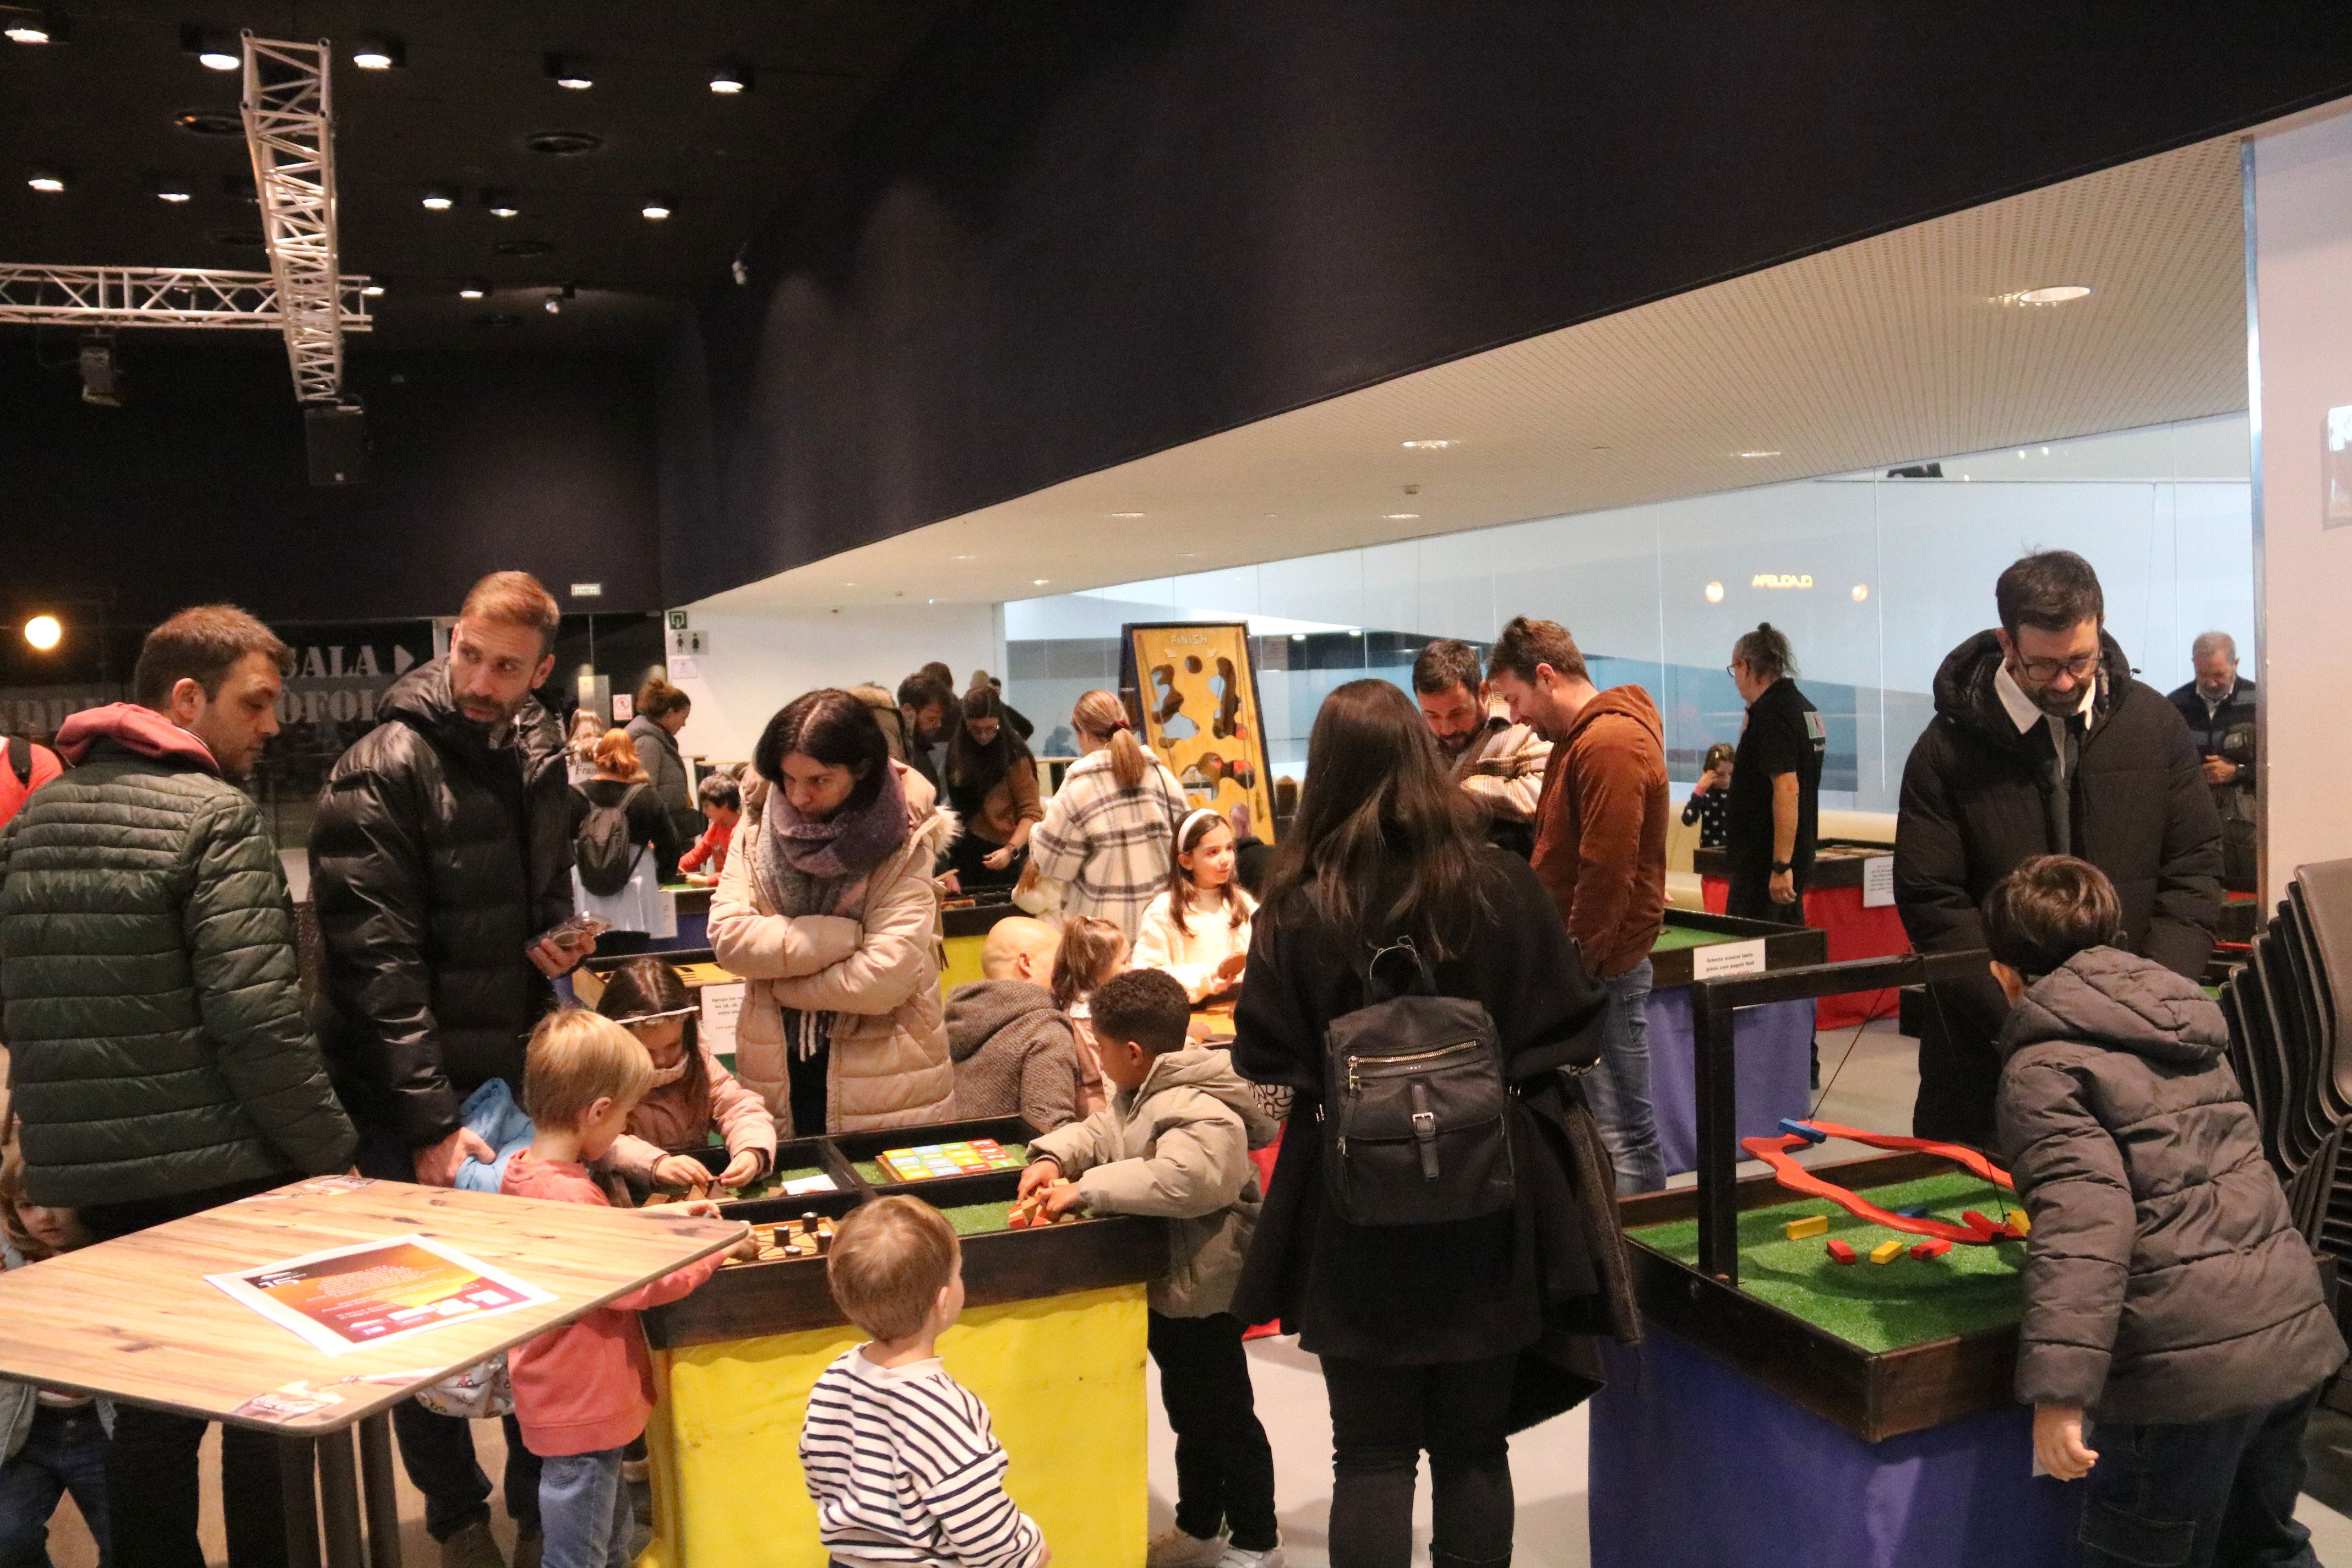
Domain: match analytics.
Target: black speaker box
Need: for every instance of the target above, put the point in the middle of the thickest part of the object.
(336, 439)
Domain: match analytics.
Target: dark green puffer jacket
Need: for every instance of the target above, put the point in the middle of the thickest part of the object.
(148, 991)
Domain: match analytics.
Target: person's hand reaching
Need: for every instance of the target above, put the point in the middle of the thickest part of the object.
(2058, 1442)
(1060, 1200)
(741, 1169)
(437, 1163)
(680, 1170)
(1041, 1173)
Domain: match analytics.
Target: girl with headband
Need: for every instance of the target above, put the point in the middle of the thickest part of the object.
(1198, 930)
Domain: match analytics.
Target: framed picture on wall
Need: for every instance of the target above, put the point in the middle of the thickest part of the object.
(1192, 692)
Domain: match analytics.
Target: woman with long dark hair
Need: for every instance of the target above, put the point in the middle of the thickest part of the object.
(991, 785)
(1420, 1326)
(827, 908)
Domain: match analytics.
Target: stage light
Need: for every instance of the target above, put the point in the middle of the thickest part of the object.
(43, 632)
(214, 50)
(373, 288)
(502, 203)
(48, 181)
(381, 53)
(730, 76)
(44, 27)
(472, 289)
(439, 198)
(101, 378)
(657, 207)
(1715, 593)
(175, 191)
(570, 71)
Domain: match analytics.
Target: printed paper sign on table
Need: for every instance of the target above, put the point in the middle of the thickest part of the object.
(376, 1291)
(1878, 882)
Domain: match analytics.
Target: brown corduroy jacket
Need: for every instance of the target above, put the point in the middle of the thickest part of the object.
(1601, 829)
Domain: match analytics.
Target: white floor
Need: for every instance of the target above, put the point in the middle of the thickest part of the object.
(1874, 1090)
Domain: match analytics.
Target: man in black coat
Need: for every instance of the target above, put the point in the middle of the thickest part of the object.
(2218, 708)
(2043, 744)
(440, 855)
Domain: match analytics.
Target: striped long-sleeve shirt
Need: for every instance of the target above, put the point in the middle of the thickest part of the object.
(905, 1469)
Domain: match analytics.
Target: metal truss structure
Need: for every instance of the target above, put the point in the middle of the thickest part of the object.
(106, 297)
(290, 128)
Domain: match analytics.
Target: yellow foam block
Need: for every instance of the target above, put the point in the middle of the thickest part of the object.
(1063, 1381)
(1887, 1252)
(1812, 1225)
(2019, 1223)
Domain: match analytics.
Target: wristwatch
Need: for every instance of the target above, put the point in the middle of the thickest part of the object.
(1779, 866)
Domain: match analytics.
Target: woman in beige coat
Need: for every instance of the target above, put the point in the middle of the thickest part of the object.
(828, 910)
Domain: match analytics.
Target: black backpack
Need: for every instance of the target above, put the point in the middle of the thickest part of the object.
(606, 852)
(1415, 1109)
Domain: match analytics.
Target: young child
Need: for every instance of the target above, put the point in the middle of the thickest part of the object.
(1710, 799)
(50, 1443)
(1198, 929)
(1092, 951)
(722, 807)
(1174, 1142)
(583, 1391)
(2168, 1293)
(899, 1458)
(691, 1092)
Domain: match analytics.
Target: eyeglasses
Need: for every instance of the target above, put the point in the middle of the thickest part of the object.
(2051, 669)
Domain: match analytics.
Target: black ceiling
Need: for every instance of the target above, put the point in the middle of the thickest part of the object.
(105, 107)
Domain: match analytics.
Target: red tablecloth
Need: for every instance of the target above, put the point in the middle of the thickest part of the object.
(1853, 932)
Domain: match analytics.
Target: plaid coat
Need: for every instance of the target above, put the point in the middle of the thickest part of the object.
(1108, 845)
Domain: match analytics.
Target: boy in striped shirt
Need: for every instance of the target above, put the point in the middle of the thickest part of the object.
(900, 1456)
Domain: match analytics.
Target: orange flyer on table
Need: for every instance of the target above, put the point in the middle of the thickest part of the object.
(376, 1291)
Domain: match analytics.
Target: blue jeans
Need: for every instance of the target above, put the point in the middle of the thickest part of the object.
(584, 1510)
(1617, 1089)
(65, 1452)
(2217, 1493)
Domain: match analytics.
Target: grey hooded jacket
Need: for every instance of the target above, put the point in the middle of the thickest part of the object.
(2164, 1280)
(1177, 1146)
(1014, 1053)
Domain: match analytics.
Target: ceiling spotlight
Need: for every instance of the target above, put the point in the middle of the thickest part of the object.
(43, 632)
(175, 191)
(381, 52)
(439, 198)
(1039, 582)
(1428, 445)
(43, 27)
(1860, 591)
(50, 181)
(373, 288)
(657, 207)
(555, 300)
(472, 289)
(1127, 514)
(214, 50)
(1715, 593)
(502, 203)
(729, 78)
(101, 377)
(2049, 294)
(1400, 516)
(1759, 452)
(570, 71)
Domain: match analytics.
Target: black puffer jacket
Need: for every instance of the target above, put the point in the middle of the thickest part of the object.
(1976, 801)
(2164, 1280)
(435, 860)
(154, 1014)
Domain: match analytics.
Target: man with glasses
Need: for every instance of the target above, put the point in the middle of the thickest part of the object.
(2043, 744)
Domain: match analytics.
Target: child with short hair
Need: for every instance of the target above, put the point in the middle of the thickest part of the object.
(51, 1443)
(721, 797)
(691, 1094)
(899, 1458)
(1198, 927)
(1092, 951)
(1174, 1142)
(2168, 1291)
(583, 1391)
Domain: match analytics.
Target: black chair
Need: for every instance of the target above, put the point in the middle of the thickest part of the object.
(2256, 1064)
(2298, 1140)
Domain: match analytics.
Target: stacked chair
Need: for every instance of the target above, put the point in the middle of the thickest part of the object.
(2290, 1012)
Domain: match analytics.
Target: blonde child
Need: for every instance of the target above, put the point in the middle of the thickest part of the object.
(1092, 951)
(1174, 1144)
(1198, 930)
(691, 1092)
(50, 1443)
(899, 1458)
(583, 1391)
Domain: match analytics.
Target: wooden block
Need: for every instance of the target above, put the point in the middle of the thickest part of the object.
(1934, 1247)
(1839, 1251)
(2019, 1224)
(1796, 1129)
(1887, 1252)
(1811, 1225)
(1982, 1225)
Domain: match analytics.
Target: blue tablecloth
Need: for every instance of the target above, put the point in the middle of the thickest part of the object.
(1694, 1462)
(1775, 1062)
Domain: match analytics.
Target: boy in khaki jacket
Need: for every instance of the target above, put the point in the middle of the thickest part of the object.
(1174, 1142)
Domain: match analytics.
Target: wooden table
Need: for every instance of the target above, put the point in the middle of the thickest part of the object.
(135, 1319)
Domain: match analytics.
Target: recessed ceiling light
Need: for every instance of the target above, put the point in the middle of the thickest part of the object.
(657, 207)
(959, 558)
(172, 191)
(1127, 514)
(502, 203)
(372, 289)
(380, 52)
(1429, 445)
(1298, 636)
(849, 585)
(439, 198)
(49, 180)
(728, 77)
(2049, 294)
(1039, 582)
(1760, 452)
(214, 50)
(472, 289)
(48, 27)
(1715, 593)
(570, 71)
(1860, 591)
(1399, 516)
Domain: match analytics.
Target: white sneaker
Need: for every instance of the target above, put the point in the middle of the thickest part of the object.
(1236, 1557)
(1177, 1549)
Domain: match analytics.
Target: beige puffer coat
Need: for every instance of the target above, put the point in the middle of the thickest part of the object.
(1176, 1146)
(878, 975)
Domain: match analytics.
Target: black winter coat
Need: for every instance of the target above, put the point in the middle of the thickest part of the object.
(435, 859)
(1421, 1294)
(1975, 804)
(154, 1014)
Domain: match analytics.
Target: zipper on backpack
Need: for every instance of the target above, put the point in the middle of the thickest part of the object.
(1377, 1065)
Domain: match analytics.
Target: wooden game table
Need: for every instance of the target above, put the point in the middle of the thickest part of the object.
(135, 1319)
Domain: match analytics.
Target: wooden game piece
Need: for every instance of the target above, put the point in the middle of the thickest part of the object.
(2019, 1224)
(1811, 1225)
(808, 1223)
(1839, 1251)
(1934, 1247)
(1984, 1229)
(1887, 1252)
(1806, 1130)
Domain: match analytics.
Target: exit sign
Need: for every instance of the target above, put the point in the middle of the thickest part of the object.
(677, 620)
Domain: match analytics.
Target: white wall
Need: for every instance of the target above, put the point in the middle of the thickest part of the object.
(756, 663)
(2301, 249)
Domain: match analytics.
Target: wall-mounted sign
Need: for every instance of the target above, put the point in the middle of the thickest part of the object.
(587, 590)
(1779, 580)
(677, 620)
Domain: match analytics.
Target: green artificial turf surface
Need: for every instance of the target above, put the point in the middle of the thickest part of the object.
(1877, 1307)
(1675, 938)
(872, 1169)
(978, 1219)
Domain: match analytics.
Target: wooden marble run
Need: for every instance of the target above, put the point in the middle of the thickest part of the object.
(1978, 1231)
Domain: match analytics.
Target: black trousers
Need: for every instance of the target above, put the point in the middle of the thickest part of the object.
(1959, 1075)
(151, 1460)
(1751, 899)
(1382, 1419)
(438, 1451)
(1224, 1466)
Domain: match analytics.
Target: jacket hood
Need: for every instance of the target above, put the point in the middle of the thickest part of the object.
(1625, 701)
(1209, 1070)
(134, 727)
(1965, 694)
(2109, 998)
(977, 1013)
(421, 701)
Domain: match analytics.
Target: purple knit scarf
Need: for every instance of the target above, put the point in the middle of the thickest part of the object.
(804, 864)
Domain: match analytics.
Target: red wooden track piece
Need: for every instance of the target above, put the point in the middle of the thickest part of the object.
(1927, 1249)
(1774, 1153)
(1838, 1250)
